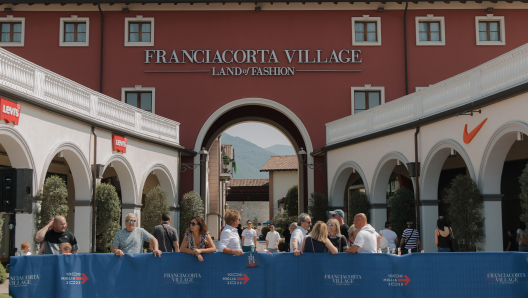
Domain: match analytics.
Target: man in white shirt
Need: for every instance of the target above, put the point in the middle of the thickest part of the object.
(249, 238)
(389, 234)
(272, 239)
(229, 240)
(366, 239)
(297, 237)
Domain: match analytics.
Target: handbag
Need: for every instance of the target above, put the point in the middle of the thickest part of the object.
(454, 243)
(406, 240)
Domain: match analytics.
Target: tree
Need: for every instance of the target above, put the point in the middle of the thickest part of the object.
(255, 221)
(282, 219)
(402, 210)
(358, 203)
(318, 207)
(108, 216)
(292, 201)
(54, 201)
(191, 205)
(155, 205)
(466, 219)
(523, 181)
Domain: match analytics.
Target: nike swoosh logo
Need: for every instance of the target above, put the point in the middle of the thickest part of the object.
(469, 136)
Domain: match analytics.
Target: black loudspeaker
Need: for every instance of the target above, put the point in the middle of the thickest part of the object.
(15, 190)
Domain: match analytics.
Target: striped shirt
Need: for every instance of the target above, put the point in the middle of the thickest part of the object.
(410, 237)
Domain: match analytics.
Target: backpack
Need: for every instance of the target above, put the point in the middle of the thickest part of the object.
(384, 242)
(524, 239)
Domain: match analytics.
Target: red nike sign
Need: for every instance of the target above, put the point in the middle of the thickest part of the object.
(469, 136)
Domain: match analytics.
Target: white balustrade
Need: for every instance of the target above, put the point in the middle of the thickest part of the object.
(494, 76)
(39, 84)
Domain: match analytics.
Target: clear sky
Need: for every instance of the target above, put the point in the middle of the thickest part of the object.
(260, 134)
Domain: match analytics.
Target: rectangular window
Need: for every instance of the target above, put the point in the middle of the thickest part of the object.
(489, 31)
(429, 31)
(74, 32)
(366, 31)
(139, 32)
(364, 100)
(11, 32)
(141, 100)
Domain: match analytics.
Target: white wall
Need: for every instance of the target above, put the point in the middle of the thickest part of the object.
(282, 181)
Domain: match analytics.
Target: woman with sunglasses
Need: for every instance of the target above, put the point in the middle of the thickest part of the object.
(334, 235)
(317, 240)
(197, 240)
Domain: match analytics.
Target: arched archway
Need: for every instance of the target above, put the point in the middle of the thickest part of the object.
(338, 187)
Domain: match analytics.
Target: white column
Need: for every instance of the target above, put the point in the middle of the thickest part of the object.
(378, 212)
(24, 230)
(492, 222)
(83, 225)
(428, 218)
(131, 208)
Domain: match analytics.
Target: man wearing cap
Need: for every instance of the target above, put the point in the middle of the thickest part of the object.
(339, 215)
(410, 238)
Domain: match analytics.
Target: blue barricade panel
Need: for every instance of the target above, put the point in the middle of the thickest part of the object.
(310, 275)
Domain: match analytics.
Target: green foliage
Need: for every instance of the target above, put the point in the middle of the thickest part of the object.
(265, 231)
(3, 275)
(155, 205)
(108, 216)
(402, 210)
(280, 231)
(2, 220)
(292, 201)
(282, 219)
(283, 246)
(523, 181)
(191, 205)
(318, 207)
(225, 159)
(54, 201)
(234, 167)
(358, 203)
(466, 218)
(255, 221)
(5, 296)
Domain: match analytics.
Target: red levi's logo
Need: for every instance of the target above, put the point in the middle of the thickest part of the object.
(10, 111)
(119, 144)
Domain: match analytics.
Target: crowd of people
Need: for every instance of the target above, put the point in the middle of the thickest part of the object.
(331, 237)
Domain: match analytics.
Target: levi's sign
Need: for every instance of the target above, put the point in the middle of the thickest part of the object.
(119, 144)
(344, 56)
(10, 111)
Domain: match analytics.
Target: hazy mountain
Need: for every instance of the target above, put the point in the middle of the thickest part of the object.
(281, 150)
(249, 158)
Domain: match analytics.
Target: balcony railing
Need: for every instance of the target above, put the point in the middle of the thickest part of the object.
(503, 72)
(37, 84)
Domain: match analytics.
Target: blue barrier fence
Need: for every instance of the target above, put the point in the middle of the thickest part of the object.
(279, 275)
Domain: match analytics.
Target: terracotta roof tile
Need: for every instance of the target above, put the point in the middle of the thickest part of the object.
(248, 182)
(281, 163)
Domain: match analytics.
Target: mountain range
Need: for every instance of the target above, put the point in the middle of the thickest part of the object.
(250, 158)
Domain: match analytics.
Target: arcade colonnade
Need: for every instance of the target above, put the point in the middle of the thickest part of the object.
(371, 144)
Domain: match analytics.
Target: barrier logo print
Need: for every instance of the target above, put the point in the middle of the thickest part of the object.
(506, 278)
(236, 279)
(342, 279)
(397, 280)
(182, 278)
(74, 278)
(16, 281)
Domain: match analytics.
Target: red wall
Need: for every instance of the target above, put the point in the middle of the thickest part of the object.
(316, 98)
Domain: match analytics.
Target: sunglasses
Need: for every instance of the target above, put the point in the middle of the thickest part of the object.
(249, 223)
(309, 222)
(192, 223)
(330, 226)
(131, 220)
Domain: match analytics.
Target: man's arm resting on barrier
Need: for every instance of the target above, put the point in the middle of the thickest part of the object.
(354, 249)
(117, 251)
(153, 242)
(176, 246)
(231, 251)
(295, 245)
(39, 236)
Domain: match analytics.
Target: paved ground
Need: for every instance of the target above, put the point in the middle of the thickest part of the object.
(4, 288)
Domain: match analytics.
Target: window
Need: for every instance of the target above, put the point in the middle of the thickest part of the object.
(430, 31)
(364, 98)
(490, 30)
(74, 32)
(12, 31)
(139, 97)
(139, 31)
(366, 31)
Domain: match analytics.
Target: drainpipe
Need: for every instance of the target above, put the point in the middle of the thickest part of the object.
(94, 190)
(101, 58)
(405, 45)
(417, 174)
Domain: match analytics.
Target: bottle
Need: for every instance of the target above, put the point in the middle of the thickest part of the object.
(399, 251)
(409, 251)
(394, 251)
(423, 251)
(388, 250)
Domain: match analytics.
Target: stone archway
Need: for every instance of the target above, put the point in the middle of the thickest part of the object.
(337, 188)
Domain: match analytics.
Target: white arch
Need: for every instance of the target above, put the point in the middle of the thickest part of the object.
(337, 189)
(165, 180)
(433, 164)
(259, 102)
(495, 154)
(127, 179)
(18, 151)
(382, 175)
(79, 168)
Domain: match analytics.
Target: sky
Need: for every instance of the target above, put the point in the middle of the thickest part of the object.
(260, 134)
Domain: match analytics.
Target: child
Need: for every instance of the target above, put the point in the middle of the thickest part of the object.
(65, 249)
(25, 249)
(512, 242)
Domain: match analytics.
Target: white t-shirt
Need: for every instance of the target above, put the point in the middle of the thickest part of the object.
(366, 241)
(25, 254)
(391, 237)
(248, 235)
(520, 232)
(298, 234)
(272, 238)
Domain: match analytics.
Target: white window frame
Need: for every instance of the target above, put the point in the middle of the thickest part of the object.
(74, 19)
(139, 88)
(430, 18)
(9, 19)
(366, 18)
(139, 18)
(491, 17)
(367, 87)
